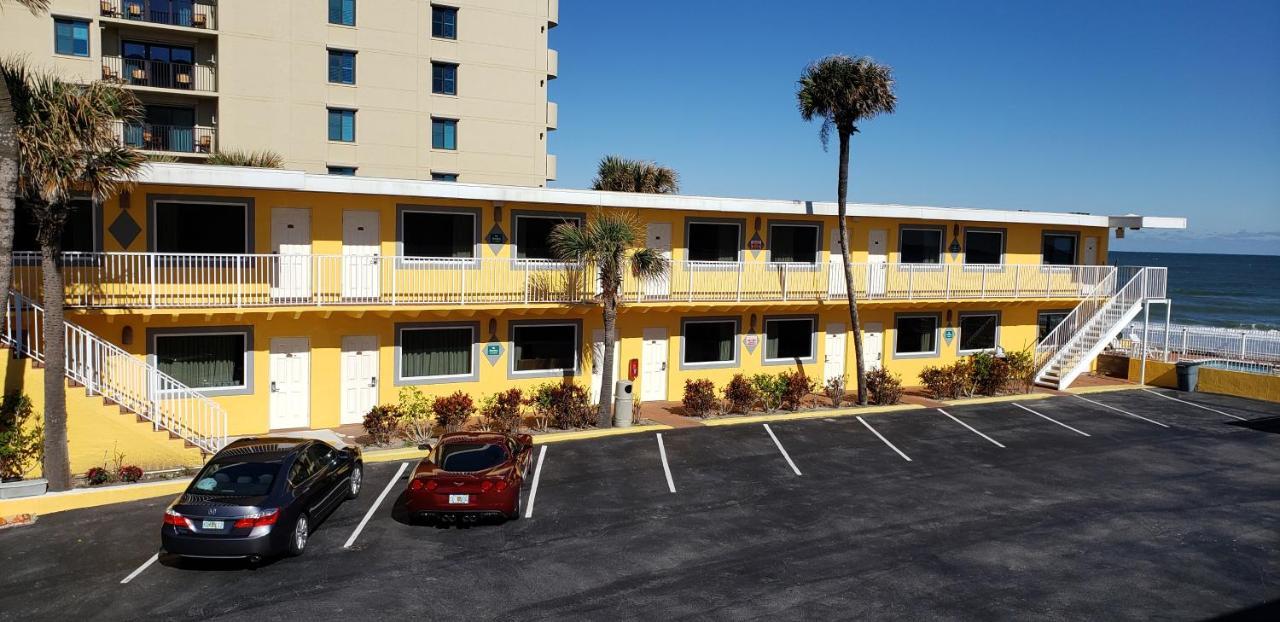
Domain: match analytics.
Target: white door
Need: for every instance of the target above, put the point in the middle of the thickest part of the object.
(658, 237)
(877, 261)
(872, 345)
(290, 382)
(291, 244)
(1091, 251)
(835, 271)
(359, 376)
(361, 252)
(833, 351)
(653, 365)
(597, 363)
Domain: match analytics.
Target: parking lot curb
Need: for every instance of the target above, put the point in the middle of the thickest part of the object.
(556, 437)
(1022, 397)
(1122, 387)
(80, 498)
(812, 414)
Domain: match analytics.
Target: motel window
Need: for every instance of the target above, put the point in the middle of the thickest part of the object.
(788, 339)
(342, 67)
(979, 332)
(444, 22)
(793, 243)
(77, 235)
(918, 245)
(533, 235)
(203, 360)
(438, 234)
(190, 227)
(714, 241)
(444, 134)
(444, 78)
(342, 12)
(710, 343)
(444, 176)
(915, 335)
(70, 36)
(1058, 249)
(432, 352)
(342, 125)
(983, 246)
(1049, 320)
(348, 171)
(544, 347)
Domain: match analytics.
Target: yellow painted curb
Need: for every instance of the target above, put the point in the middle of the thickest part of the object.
(392, 455)
(556, 437)
(999, 398)
(1123, 387)
(812, 414)
(91, 497)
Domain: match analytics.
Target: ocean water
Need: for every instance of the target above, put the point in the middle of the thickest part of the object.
(1232, 291)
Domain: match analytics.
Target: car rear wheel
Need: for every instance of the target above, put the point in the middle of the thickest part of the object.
(516, 514)
(357, 480)
(298, 539)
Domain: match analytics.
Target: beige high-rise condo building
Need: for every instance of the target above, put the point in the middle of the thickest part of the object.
(411, 89)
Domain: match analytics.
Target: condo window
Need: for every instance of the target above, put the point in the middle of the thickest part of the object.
(983, 246)
(714, 241)
(444, 78)
(919, 245)
(436, 352)
(191, 227)
(544, 347)
(444, 133)
(916, 335)
(710, 342)
(438, 234)
(793, 243)
(533, 235)
(444, 176)
(342, 170)
(159, 65)
(1049, 320)
(444, 22)
(342, 125)
(788, 339)
(1058, 249)
(978, 332)
(342, 67)
(70, 37)
(342, 12)
(203, 360)
(77, 234)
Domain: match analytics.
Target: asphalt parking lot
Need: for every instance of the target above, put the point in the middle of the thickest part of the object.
(1121, 505)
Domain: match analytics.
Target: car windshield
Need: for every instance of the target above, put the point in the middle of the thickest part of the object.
(236, 479)
(463, 457)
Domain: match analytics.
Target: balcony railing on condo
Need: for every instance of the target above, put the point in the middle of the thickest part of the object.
(170, 12)
(173, 280)
(159, 74)
(193, 139)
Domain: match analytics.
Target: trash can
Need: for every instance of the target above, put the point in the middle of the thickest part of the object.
(622, 400)
(1188, 373)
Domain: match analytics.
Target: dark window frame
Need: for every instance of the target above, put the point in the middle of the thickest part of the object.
(1075, 246)
(813, 339)
(449, 262)
(73, 22)
(444, 65)
(448, 29)
(942, 243)
(817, 242)
(514, 326)
(155, 200)
(339, 18)
(518, 215)
(340, 170)
(398, 354)
(736, 347)
(995, 345)
(1043, 312)
(31, 257)
(710, 264)
(329, 111)
(444, 122)
(937, 328)
(342, 54)
(1004, 241)
(246, 388)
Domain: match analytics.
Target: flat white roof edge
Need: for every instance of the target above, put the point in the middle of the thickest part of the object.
(279, 179)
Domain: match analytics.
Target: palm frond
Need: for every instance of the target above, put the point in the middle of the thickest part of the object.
(235, 157)
(842, 92)
(648, 264)
(618, 174)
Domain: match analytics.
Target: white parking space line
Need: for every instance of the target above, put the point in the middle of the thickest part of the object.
(144, 566)
(367, 515)
(1048, 418)
(537, 477)
(784, 451)
(883, 439)
(972, 429)
(1170, 397)
(1123, 412)
(662, 449)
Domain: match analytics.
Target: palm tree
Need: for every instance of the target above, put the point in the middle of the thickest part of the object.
(623, 175)
(609, 240)
(842, 92)
(67, 145)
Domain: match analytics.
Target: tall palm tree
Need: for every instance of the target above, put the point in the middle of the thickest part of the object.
(67, 145)
(610, 240)
(625, 175)
(843, 92)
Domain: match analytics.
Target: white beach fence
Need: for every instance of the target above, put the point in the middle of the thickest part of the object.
(1202, 342)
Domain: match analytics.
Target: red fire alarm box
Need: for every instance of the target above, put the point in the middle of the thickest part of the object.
(633, 369)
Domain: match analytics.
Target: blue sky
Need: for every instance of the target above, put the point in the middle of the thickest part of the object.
(1164, 108)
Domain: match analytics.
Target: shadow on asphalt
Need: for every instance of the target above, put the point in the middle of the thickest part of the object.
(1268, 611)
(400, 514)
(1268, 424)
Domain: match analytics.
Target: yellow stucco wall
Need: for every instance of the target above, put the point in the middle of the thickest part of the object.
(1227, 382)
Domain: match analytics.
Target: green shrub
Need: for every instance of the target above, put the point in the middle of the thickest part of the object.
(452, 411)
(771, 390)
(129, 473)
(21, 437)
(796, 387)
(500, 412)
(835, 390)
(948, 381)
(381, 423)
(564, 405)
(700, 398)
(237, 157)
(883, 388)
(740, 396)
(415, 417)
(990, 374)
(1022, 369)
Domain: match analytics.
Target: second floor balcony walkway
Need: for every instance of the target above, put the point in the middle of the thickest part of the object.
(195, 281)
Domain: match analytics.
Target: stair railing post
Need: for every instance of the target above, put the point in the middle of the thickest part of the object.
(151, 279)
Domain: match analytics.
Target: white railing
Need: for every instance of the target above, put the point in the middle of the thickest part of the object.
(1195, 342)
(122, 378)
(161, 280)
(1075, 322)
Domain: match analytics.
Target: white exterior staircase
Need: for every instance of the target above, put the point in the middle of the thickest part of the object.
(1069, 349)
(132, 383)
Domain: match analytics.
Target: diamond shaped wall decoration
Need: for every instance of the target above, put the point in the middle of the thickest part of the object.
(124, 229)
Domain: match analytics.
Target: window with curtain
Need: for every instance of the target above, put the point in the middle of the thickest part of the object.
(201, 228)
(1058, 249)
(710, 342)
(342, 12)
(978, 331)
(920, 245)
(793, 243)
(444, 78)
(788, 339)
(438, 234)
(533, 235)
(342, 125)
(714, 241)
(545, 347)
(71, 37)
(342, 67)
(444, 22)
(983, 247)
(203, 361)
(436, 352)
(444, 134)
(916, 334)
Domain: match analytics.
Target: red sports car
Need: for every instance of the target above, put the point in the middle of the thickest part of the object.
(469, 476)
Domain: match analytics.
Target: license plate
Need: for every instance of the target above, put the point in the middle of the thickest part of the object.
(459, 499)
(211, 524)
